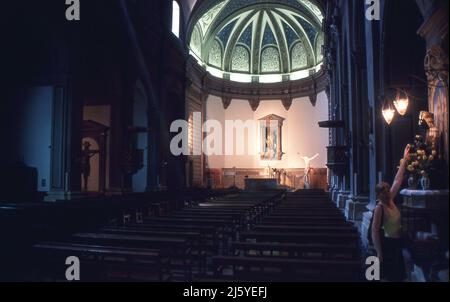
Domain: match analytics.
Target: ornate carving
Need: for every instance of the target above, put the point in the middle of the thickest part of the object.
(427, 119)
(436, 68)
(436, 65)
(313, 99)
(254, 103)
(226, 101)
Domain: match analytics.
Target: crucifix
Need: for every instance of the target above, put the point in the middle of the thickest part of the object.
(86, 155)
(308, 168)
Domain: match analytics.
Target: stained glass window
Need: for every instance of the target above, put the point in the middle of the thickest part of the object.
(319, 44)
(270, 60)
(298, 56)
(215, 54)
(196, 41)
(241, 59)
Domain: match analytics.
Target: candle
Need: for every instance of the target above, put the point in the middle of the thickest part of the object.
(380, 177)
(355, 184)
(343, 183)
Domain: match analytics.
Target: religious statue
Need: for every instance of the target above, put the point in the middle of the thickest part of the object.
(426, 119)
(271, 132)
(308, 169)
(270, 147)
(86, 155)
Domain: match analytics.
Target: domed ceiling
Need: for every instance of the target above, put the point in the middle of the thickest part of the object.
(257, 40)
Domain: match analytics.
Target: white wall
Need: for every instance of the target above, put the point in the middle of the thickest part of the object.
(215, 111)
(301, 132)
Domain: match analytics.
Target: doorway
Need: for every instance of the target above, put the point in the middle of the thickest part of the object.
(94, 144)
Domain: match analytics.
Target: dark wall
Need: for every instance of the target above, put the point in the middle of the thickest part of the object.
(404, 53)
(94, 61)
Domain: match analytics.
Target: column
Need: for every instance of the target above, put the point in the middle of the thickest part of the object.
(357, 117)
(65, 180)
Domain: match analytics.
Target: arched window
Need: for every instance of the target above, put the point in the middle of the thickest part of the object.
(176, 16)
(299, 59)
(215, 54)
(241, 59)
(270, 60)
(319, 44)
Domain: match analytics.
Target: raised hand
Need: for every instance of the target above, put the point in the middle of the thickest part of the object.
(406, 152)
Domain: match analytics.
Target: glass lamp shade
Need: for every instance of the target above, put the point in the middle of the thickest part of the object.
(401, 104)
(388, 114)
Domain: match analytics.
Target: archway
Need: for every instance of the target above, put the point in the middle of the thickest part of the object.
(94, 144)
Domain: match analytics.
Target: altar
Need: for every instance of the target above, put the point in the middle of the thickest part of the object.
(258, 184)
(290, 178)
(425, 211)
(425, 223)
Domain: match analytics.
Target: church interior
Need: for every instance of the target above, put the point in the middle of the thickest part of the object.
(297, 112)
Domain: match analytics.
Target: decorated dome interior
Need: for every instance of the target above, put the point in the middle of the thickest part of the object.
(257, 40)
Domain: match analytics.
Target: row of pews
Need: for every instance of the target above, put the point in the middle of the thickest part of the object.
(175, 245)
(305, 238)
(226, 236)
(37, 237)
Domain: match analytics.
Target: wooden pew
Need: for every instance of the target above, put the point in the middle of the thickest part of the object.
(293, 250)
(314, 237)
(245, 217)
(224, 229)
(196, 239)
(304, 219)
(311, 212)
(102, 262)
(276, 269)
(208, 233)
(179, 248)
(308, 229)
(303, 222)
(191, 236)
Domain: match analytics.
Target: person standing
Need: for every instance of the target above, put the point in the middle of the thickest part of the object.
(387, 220)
